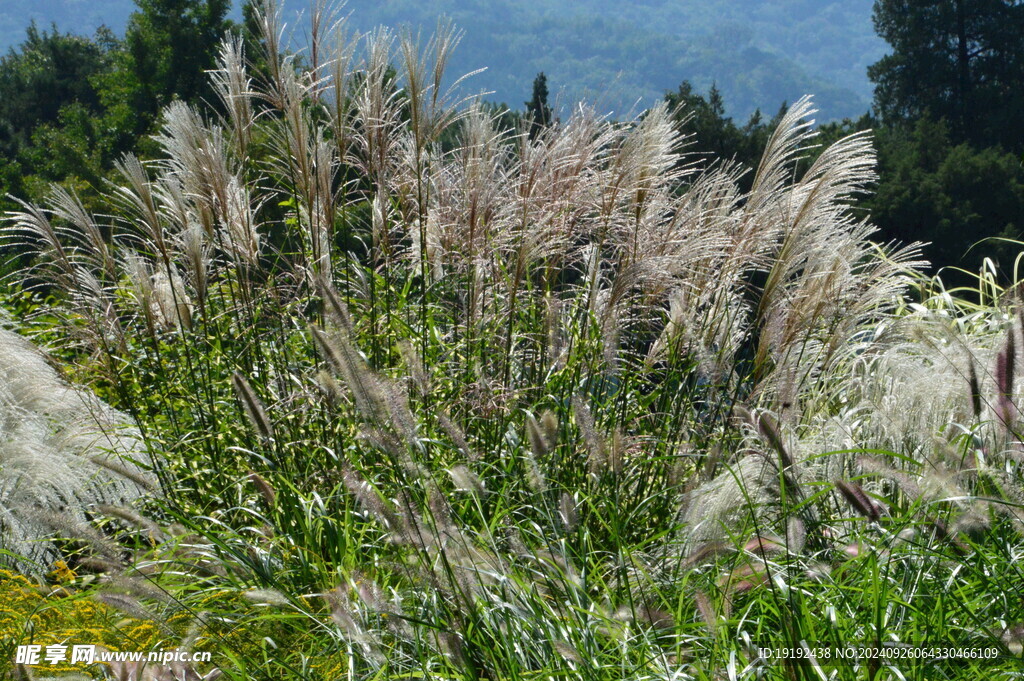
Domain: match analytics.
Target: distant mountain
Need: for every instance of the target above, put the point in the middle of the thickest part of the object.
(615, 54)
(759, 52)
(74, 16)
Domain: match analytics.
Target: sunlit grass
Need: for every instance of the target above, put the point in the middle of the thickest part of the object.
(428, 399)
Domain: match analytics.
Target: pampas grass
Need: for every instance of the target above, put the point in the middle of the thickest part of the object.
(62, 451)
(515, 403)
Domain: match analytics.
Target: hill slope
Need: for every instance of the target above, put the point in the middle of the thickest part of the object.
(759, 52)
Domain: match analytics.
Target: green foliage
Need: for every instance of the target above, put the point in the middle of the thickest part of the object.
(951, 195)
(169, 47)
(47, 71)
(958, 60)
(54, 117)
(70, 106)
(537, 109)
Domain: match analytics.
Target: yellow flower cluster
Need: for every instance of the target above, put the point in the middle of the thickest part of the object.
(42, 614)
(56, 612)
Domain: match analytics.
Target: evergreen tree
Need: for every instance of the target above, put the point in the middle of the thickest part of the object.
(537, 109)
(953, 196)
(49, 70)
(958, 60)
(170, 45)
(714, 137)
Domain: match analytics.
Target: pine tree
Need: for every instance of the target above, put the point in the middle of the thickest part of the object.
(958, 60)
(537, 109)
(171, 44)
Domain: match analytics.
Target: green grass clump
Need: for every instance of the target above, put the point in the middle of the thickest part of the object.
(432, 399)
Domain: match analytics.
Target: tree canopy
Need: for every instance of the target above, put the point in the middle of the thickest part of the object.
(958, 60)
(49, 70)
(170, 45)
(70, 105)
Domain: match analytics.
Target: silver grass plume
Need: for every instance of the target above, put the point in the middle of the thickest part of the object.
(195, 249)
(69, 257)
(139, 274)
(467, 481)
(85, 234)
(340, 79)
(796, 535)
(456, 434)
(768, 428)
(133, 608)
(267, 15)
(706, 612)
(371, 501)
(233, 86)
(138, 198)
(61, 447)
(172, 301)
(415, 367)
(135, 519)
(266, 597)
(1006, 410)
(975, 387)
(265, 489)
(539, 444)
(597, 453)
(567, 512)
(378, 400)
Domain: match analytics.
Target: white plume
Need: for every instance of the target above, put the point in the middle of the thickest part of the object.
(62, 450)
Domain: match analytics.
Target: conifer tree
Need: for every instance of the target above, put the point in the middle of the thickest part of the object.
(171, 44)
(958, 60)
(537, 109)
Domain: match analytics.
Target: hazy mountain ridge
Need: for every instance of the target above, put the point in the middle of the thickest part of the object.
(760, 53)
(75, 16)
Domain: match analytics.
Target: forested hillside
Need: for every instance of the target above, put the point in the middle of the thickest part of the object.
(611, 54)
(621, 52)
(946, 128)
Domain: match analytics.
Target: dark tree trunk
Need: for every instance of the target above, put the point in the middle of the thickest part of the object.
(963, 65)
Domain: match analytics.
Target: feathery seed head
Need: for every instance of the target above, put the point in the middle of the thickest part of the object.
(539, 446)
(466, 480)
(252, 406)
(855, 495)
(265, 489)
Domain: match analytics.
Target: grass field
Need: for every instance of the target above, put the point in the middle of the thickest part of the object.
(401, 394)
